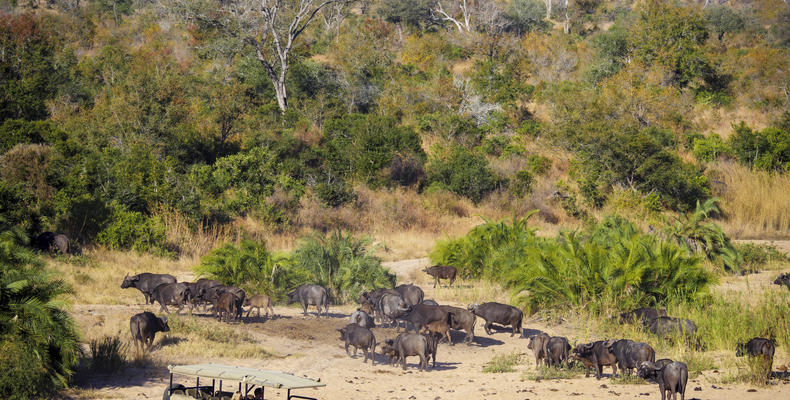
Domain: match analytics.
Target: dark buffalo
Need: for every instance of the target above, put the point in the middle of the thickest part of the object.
(502, 314)
(759, 347)
(430, 302)
(662, 362)
(441, 328)
(537, 344)
(360, 338)
(146, 283)
(409, 344)
(643, 315)
(205, 288)
(421, 315)
(671, 377)
(144, 327)
(195, 294)
(362, 319)
(783, 279)
(53, 242)
(259, 301)
(391, 307)
(433, 346)
(171, 294)
(373, 298)
(630, 354)
(441, 272)
(668, 327)
(239, 296)
(411, 294)
(313, 295)
(557, 351)
(461, 319)
(225, 306)
(596, 355)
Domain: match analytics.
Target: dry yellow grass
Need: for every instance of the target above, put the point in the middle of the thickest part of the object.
(756, 203)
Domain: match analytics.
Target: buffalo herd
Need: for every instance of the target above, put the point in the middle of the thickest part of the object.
(405, 307)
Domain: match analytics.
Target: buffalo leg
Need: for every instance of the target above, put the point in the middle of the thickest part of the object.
(435, 281)
(304, 309)
(423, 362)
(488, 328)
(164, 308)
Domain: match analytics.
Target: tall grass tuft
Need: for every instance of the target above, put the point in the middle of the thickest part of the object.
(502, 363)
(108, 354)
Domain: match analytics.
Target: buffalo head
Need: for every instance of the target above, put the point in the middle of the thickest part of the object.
(128, 281)
(291, 297)
(165, 326)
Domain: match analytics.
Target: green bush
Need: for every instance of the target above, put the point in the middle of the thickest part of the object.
(251, 267)
(768, 149)
(361, 146)
(723, 20)
(521, 183)
(756, 256)
(343, 264)
(526, 16)
(710, 148)
(538, 164)
(502, 363)
(463, 173)
(335, 193)
(608, 265)
(131, 230)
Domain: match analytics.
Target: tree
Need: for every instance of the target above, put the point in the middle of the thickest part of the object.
(269, 28)
(458, 12)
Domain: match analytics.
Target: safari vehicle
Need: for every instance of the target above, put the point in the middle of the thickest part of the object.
(224, 378)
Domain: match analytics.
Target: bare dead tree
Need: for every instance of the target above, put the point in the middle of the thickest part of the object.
(548, 9)
(457, 12)
(269, 27)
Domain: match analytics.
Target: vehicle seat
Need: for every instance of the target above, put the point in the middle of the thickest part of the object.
(192, 392)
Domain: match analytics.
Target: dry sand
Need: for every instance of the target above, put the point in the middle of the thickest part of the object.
(310, 347)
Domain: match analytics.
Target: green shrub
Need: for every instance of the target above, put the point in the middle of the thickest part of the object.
(335, 193)
(463, 173)
(131, 230)
(723, 20)
(538, 164)
(526, 16)
(710, 148)
(543, 372)
(502, 363)
(756, 256)
(768, 149)
(251, 267)
(361, 146)
(343, 264)
(521, 183)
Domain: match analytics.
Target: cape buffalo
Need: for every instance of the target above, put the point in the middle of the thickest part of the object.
(762, 347)
(783, 279)
(144, 327)
(671, 377)
(422, 314)
(391, 307)
(596, 355)
(362, 319)
(411, 294)
(360, 338)
(441, 327)
(502, 314)
(430, 302)
(668, 327)
(630, 354)
(557, 351)
(259, 301)
(409, 344)
(537, 344)
(461, 319)
(146, 283)
(53, 242)
(441, 272)
(173, 294)
(225, 306)
(313, 295)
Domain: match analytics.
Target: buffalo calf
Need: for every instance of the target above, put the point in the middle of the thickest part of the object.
(671, 377)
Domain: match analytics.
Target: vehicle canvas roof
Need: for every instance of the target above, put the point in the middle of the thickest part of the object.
(275, 379)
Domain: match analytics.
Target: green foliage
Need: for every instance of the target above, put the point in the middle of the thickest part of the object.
(414, 13)
(695, 232)
(673, 36)
(612, 47)
(526, 16)
(543, 372)
(723, 20)
(609, 265)
(502, 363)
(641, 160)
(361, 146)
(521, 183)
(538, 164)
(251, 267)
(343, 264)
(38, 339)
(463, 173)
(335, 193)
(132, 230)
(709, 148)
(768, 149)
(756, 256)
